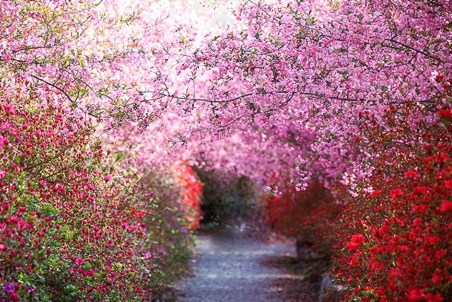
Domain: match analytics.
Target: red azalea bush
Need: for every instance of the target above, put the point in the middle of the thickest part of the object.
(298, 213)
(397, 239)
(307, 216)
(71, 227)
(191, 193)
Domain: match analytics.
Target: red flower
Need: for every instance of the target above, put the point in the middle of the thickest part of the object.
(434, 298)
(410, 174)
(433, 240)
(375, 193)
(448, 184)
(445, 112)
(417, 221)
(15, 297)
(436, 279)
(446, 205)
(419, 208)
(441, 157)
(415, 295)
(420, 190)
(375, 266)
(394, 273)
(440, 253)
(396, 193)
(356, 241)
(439, 78)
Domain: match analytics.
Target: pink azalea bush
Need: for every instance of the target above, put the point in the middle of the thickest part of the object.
(171, 221)
(71, 225)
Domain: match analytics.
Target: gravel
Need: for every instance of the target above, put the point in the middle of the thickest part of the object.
(228, 267)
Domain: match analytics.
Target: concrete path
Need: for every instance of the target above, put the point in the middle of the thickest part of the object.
(228, 267)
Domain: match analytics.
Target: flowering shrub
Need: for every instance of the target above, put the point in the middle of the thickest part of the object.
(175, 212)
(71, 226)
(167, 225)
(296, 213)
(191, 193)
(397, 239)
(307, 216)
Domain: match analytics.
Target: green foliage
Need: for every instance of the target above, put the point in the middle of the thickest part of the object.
(233, 200)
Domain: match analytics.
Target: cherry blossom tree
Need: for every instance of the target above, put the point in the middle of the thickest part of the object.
(294, 79)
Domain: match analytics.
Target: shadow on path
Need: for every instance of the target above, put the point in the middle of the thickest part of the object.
(228, 267)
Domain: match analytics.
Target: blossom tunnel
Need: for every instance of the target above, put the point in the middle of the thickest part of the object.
(325, 121)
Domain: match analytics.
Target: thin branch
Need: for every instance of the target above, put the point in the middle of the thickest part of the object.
(313, 94)
(54, 86)
(207, 100)
(415, 50)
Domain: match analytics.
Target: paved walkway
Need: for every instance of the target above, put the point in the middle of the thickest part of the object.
(229, 267)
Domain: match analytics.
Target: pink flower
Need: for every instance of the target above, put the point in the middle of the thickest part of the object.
(10, 109)
(90, 273)
(14, 297)
(107, 178)
(79, 261)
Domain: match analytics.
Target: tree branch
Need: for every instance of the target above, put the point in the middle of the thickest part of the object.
(54, 86)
